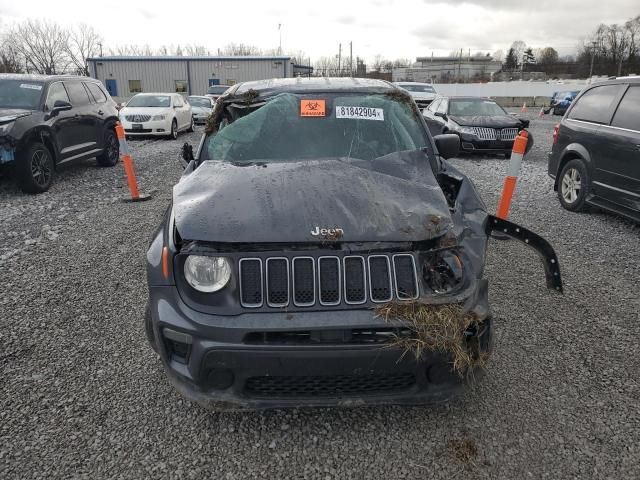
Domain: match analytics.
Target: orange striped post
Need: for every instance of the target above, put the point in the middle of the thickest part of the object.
(128, 166)
(519, 148)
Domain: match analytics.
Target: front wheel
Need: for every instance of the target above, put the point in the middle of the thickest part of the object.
(573, 186)
(191, 125)
(34, 168)
(111, 153)
(174, 130)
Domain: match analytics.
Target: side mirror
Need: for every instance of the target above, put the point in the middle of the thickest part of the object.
(187, 155)
(448, 145)
(440, 114)
(60, 106)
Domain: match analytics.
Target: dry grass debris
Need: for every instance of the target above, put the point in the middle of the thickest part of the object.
(436, 328)
(464, 449)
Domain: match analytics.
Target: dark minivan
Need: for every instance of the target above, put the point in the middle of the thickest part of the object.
(595, 158)
(50, 120)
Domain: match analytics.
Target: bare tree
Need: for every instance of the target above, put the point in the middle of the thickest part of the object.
(195, 50)
(84, 42)
(240, 49)
(547, 55)
(518, 48)
(9, 58)
(42, 45)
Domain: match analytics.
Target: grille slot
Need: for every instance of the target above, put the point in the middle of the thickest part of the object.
(354, 280)
(508, 133)
(304, 285)
(251, 285)
(404, 275)
(484, 133)
(137, 118)
(329, 279)
(278, 282)
(379, 278)
(327, 386)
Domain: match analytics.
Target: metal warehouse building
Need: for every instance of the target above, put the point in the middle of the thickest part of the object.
(126, 76)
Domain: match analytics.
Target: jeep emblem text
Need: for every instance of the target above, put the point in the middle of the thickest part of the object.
(327, 232)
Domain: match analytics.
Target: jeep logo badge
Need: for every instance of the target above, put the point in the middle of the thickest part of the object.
(328, 233)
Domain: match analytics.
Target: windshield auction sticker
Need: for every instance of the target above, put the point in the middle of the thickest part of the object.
(312, 108)
(365, 113)
(31, 86)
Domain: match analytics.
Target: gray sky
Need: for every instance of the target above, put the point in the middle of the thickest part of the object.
(393, 28)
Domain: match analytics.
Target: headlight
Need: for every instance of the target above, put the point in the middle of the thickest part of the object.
(467, 130)
(158, 117)
(6, 127)
(443, 272)
(207, 274)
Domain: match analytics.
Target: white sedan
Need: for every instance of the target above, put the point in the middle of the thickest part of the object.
(201, 107)
(160, 114)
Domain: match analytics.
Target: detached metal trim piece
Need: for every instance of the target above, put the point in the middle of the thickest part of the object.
(539, 244)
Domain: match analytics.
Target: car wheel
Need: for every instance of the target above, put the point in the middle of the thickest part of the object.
(148, 329)
(573, 186)
(191, 127)
(34, 168)
(556, 111)
(174, 130)
(111, 153)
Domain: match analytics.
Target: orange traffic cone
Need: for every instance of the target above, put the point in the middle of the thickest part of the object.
(524, 108)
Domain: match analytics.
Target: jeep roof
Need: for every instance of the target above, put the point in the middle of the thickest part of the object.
(318, 84)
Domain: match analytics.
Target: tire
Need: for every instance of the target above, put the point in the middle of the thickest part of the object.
(556, 111)
(34, 168)
(148, 329)
(191, 126)
(573, 185)
(111, 153)
(507, 155)
(174, 130)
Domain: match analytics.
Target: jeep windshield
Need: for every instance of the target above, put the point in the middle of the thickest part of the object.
(20, 94)
(291, 127)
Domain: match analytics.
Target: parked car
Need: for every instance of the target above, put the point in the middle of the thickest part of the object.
(423, 93)
(313, 212)
(201, 108)
(215, 91)
(159, 114)
(595, 157)
(482, 125)
(48, 121)
(560, 102)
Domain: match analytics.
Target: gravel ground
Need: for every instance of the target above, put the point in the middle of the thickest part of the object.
(82, 396)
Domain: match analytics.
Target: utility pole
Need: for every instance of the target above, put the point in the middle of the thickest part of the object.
(339, 59)
(100, 45)
(459, 67)
(351, 59)
(593, 54)
(280, 39)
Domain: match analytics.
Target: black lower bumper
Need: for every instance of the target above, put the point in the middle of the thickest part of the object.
(486, 147)
(226, 368)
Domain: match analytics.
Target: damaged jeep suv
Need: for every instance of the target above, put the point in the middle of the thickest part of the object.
(50, 120)
(319, 250)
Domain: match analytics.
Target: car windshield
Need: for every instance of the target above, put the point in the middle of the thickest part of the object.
(474, 106)
(20, 94)
(199, 102)
(217, 90)
(418, 88)
(292, 127)
(150, 101)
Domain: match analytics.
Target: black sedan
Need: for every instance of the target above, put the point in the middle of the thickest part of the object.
(482, 125)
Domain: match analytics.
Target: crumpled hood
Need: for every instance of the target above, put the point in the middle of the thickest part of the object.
(396, 198)
(10, 114)
(497, 121)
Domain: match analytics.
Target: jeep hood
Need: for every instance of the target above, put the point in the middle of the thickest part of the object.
(392, 198)
(493, 121)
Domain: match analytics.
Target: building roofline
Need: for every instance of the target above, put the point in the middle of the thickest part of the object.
(179, 59)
